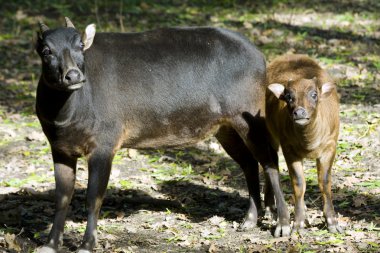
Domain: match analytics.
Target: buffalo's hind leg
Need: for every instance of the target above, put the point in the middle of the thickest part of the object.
(235, 147)
(252, 129)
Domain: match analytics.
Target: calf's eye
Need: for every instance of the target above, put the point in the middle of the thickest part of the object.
(288, 98)
(81, 45)
(314, 95)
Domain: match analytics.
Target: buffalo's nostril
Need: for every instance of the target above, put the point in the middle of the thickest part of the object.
(72, 76)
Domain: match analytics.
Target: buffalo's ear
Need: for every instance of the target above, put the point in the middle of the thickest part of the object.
(43, 27)
(69, 23)
(326, 89)
(88, 36)
(37, 40)
(277, 89)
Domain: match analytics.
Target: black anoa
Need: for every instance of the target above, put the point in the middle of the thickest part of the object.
(163, 88)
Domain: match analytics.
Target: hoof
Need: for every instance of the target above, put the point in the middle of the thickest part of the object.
(299, 228)
(83, 251)
(299, 231)
(246, 226)
(282, 230)
(333, 226)
(270, 214)
(335, 229)
(46, 249)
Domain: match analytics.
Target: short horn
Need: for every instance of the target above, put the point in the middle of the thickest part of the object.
(43, 27)
(289, 81)
(69, 23)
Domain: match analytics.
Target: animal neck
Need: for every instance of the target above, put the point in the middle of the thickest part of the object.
(308, 134)
(55, 106)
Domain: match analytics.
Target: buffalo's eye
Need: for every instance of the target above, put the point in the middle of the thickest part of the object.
(81, 45)
(46, 51)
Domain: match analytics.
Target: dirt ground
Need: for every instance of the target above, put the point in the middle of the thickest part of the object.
(193, 199)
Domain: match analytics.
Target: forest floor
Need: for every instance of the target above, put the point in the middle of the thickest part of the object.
(193, 199)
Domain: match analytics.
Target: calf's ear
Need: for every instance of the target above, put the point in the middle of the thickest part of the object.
(88, 36)
(277, 89)
(326, 89)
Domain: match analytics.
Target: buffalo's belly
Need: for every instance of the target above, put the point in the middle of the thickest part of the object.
(170, 134)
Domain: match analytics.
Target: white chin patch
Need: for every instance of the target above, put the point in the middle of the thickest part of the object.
(301, 122)
(75, 86)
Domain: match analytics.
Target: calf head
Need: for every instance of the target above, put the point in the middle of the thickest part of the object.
(62, 54)
(302, 97)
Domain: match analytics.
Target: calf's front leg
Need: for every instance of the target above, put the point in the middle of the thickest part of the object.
(299, 187)
(324, 164)
(99, 168)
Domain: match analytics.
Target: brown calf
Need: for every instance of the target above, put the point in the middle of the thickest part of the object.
(303, 117)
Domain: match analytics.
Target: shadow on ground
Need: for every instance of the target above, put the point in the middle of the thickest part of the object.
(28, 212)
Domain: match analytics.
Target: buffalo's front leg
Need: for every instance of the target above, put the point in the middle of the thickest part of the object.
(64, 171)
(99, 168)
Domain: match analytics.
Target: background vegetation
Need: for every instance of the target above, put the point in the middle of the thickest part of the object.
(191, 200)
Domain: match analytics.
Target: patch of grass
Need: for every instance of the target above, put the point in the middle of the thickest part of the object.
(187, 225)
(329, 61)
(76, 227)
(348, 16)
(172, 171)
(346, 147)
(175, 238)
(220, 233)
(32, 178)
(212, 176)
(372, 184)
(126, 184)
(8, 230)
(111, 228)
(330, 241)
(345, 203)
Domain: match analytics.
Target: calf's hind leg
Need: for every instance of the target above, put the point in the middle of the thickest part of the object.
(235, 147)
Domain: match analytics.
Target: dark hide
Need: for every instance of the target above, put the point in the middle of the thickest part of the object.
(161, 88)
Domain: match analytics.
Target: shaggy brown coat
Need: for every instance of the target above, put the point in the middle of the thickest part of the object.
(302, 115)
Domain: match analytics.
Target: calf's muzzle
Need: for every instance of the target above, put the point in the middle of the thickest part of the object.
(300, 116)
